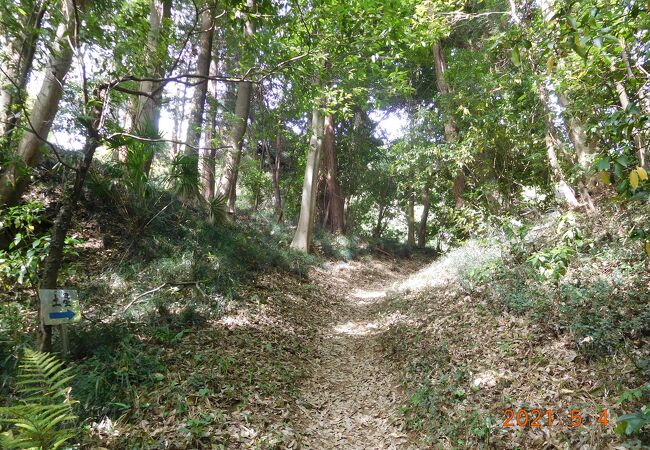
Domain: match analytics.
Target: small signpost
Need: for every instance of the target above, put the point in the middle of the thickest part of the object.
(60, 307)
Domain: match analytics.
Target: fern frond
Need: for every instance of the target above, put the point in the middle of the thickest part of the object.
(39, 422)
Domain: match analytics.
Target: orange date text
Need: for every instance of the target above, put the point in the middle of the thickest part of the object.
(546, 417)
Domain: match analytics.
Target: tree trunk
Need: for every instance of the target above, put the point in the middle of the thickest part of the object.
(451, 133)
(210, 152)
(577, 134)
(230, 173)
(54, 259)
(422, 230)
(410, 221)
(304, 231)
(274, 166)
(563, 191)
(377, 230)
(195, 121)
(147, 112)
(178, 115)
(459, 188)
(336, 218)
(583, 148)
(14, 180)
(639, 145)
(18, 57)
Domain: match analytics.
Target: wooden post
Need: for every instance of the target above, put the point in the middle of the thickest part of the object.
(65, 342)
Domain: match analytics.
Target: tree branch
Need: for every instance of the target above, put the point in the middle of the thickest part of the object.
(155, 140)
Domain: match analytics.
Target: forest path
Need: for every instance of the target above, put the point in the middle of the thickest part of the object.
(351, 398)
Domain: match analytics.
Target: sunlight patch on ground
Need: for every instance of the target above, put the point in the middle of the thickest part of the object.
(235, 321)
(370, 328)
(455, 264)
(357, 328)
(365, 295)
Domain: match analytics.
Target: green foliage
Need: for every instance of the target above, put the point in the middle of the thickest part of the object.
(553, 263)
(184, 176)
(126, 184)
(562, 286)
(42, 418)
(28, 247)
(218, 210)
(633, 423)
(256, 181)
(109, 380)
(337, 246)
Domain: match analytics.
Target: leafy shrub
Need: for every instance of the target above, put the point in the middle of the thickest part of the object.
(552, 264)
(27, 249)
(635, 422)
(44, 413)
(255, 180)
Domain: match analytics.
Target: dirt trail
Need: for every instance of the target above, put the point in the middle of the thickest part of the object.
(351, 399)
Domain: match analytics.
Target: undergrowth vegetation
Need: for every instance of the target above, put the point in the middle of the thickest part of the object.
(42, 415)
(149, 287)
(560, 320)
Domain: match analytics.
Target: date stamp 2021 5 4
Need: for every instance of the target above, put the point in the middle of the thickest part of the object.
(548, 417)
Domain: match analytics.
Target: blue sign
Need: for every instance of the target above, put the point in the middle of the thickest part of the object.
(62, 315)
(59, 306)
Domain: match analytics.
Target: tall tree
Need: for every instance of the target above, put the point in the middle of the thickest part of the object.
(410, 220)
(18, 41)
(228, 186)
(209, 153)
(147, 107)
(563, 190)
(195, 121)
(275, 162)
(426, 205)
(302, 238)
(336, 213)
(451, 133)
(15, 179)
(63, 221)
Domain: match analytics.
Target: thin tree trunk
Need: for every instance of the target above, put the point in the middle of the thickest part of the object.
(54, 259)
(336, 217)
(274, 166)
(577, 134)
(147, 113)
(584, 151)
(200, 92)
(422, 230)
(179, 115)
(451, 133)
(230, 173)
(18, 57)
(377, 230)
(210, 152)
(304, 231)
(459, 188)
(258, 190)
(410, 221)
(14, 180)
(563, 190)
(624, 99)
